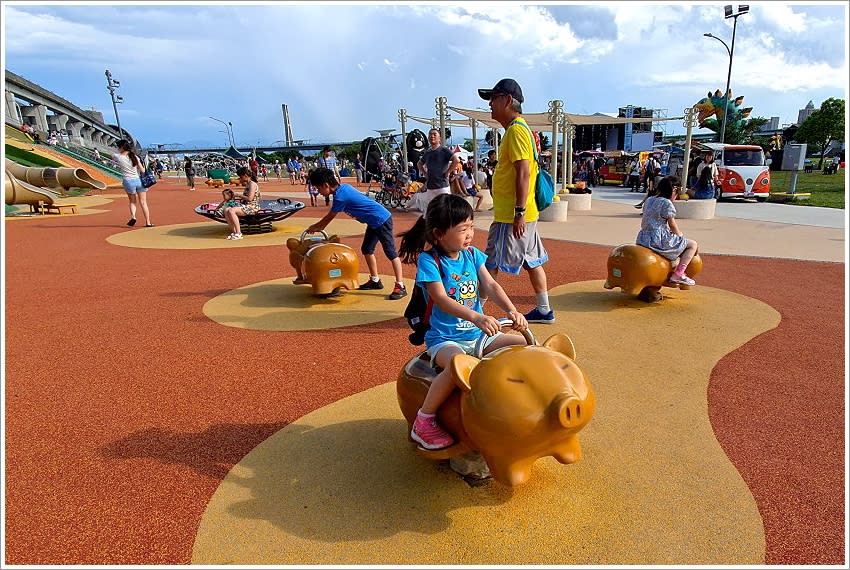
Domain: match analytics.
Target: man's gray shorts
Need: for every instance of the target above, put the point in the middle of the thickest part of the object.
(508, 254)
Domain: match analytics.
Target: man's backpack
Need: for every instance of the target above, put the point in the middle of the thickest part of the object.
(418, 311)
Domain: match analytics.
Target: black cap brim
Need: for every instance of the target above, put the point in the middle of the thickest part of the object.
(486, 94)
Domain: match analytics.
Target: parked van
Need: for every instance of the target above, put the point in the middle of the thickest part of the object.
(743, 171)
(616, 167)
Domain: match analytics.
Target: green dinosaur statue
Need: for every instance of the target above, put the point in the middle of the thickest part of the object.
(717, 105)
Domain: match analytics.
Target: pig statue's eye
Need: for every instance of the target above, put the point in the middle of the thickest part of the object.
(517, 380)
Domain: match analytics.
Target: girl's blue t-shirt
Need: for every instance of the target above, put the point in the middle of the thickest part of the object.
(359, 206)
(460, 279)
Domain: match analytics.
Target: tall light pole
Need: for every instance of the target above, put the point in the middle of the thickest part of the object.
(111, 85)
(229, 127)
(742, 9)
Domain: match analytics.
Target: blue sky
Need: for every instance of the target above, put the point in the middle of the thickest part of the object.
(345, 69)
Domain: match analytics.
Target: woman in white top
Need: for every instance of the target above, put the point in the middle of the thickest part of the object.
(131, 166)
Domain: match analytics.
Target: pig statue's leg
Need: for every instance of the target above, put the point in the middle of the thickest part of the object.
(650, 294)
(510, 471)
(568, 451)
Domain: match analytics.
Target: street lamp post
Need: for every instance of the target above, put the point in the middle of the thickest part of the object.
(111, 85)
(742, 9)
(229, 127)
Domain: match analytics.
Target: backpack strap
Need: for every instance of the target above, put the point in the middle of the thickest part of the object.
(533, 144)
(430, 304)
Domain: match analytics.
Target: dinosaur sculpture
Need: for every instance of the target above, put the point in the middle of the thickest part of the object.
(717, 105)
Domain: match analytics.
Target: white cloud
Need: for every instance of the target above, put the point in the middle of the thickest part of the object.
(785, 18)
(345, 70)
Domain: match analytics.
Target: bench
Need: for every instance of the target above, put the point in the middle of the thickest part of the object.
(556, 212)
(695, 209)
(577, 202)
(45, 208)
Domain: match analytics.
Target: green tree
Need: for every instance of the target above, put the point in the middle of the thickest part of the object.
(349, 152)
(544, 142)
(823, 126)
(467, 145)
(745, 133)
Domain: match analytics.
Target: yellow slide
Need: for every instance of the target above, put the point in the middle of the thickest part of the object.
(61, 177)
(19, 192)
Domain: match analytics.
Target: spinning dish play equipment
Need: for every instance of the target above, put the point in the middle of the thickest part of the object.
(513, 406)
(261, 222)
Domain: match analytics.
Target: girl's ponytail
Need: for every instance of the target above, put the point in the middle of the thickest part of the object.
(412, 242)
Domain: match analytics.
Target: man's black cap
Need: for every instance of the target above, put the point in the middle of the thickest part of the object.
(504, 86)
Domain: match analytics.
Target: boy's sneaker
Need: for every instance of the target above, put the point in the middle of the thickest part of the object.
(682, 279)
(399, 291)
(535, 316)
(371, 285)
(429, 435)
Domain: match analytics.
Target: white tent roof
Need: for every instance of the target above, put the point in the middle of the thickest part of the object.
(450, 122)
(541, 121)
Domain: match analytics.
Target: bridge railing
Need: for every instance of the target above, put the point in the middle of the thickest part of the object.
(87, 157)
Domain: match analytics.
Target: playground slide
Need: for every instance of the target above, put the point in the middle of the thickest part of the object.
(54, 177)
(19, 192)
(111, 180)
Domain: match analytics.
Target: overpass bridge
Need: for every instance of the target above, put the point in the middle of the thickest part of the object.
(45, 111)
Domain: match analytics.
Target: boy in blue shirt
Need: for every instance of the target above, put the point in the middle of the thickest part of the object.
(378, 220)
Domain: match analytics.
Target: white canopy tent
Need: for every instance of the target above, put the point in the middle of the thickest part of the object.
(543, 121)
(537, 121)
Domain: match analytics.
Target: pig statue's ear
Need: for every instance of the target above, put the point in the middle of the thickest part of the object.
(561, 343)
(293, 243)
(461, 369)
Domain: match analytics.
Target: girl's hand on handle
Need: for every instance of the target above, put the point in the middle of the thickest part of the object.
(520, 324)
(489, 325)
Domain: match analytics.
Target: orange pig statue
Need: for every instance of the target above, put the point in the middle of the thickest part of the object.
(324, 263)
(637, 270)
(513, 406)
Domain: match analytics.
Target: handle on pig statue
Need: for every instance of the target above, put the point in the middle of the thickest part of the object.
(504, 322)
(305, 233)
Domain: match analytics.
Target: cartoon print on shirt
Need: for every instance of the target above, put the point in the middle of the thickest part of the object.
(468, 293)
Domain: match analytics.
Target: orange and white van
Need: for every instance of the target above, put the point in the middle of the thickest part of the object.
(743, 171)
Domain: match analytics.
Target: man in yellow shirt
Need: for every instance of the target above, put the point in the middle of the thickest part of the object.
(513, 242)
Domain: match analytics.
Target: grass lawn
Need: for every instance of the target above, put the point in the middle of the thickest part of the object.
(828, 191)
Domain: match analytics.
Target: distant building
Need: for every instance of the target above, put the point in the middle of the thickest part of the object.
(804, 113)
(771, 125)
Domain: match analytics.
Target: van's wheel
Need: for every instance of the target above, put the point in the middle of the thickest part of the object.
(761, 199)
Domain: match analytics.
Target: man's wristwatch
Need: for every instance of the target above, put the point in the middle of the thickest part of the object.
(519, 212)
